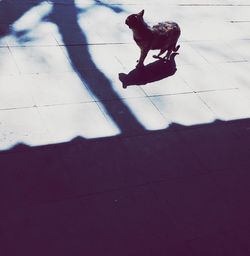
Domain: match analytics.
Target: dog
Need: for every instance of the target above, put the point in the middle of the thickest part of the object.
(163, 36)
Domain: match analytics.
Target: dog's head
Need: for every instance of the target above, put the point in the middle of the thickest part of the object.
(135, 20)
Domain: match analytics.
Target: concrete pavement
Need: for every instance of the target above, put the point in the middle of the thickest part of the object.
(88, 167)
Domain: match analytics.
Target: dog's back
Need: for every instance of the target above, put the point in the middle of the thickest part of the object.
(162, 36)
(165, 35)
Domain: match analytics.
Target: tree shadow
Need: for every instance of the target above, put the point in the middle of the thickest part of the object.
(89, 196)
(113, 7)
(12, 12)
(152, 72)
(95, 80)
(144, 195)
(66, 19)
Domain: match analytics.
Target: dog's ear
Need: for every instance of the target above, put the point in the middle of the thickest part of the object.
(141, 13)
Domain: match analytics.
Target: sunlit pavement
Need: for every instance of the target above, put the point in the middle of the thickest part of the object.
(88, 167)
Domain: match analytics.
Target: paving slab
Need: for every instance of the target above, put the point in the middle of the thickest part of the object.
(56, 89)
(24, 125)
(184, 109)
(9, 66)
(230, 104)
(97, 157)
(207, 78)
(34, 60)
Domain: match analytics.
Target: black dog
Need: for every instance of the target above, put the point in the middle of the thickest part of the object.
(163, 36)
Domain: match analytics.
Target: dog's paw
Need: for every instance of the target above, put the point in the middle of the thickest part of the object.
(122, 78)
(156, 57)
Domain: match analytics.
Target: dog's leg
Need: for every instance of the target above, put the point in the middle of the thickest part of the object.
(159, 54)
(143, 55)
(167, 57)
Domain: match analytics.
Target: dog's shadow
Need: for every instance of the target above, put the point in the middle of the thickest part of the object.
(152, 72)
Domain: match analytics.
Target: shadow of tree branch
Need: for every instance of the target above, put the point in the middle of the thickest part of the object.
(12, 12)
(89, 73)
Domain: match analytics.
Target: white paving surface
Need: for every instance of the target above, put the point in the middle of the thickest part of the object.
(55, 87)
